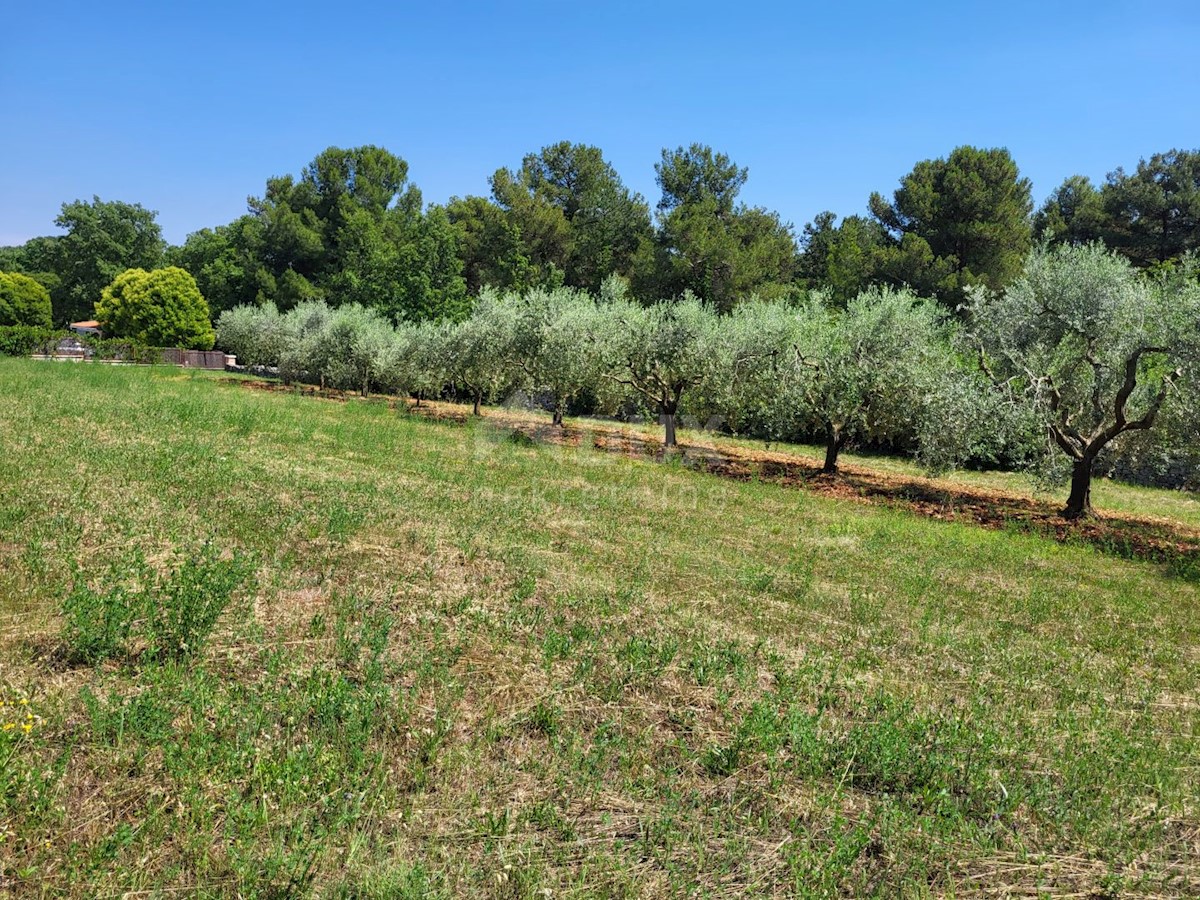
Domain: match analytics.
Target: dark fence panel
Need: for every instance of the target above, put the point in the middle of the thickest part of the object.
(194, 359)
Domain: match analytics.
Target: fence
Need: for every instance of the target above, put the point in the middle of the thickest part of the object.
(194, 359)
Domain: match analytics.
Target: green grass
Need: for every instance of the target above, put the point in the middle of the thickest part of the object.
(1108, 496)
(464, 665)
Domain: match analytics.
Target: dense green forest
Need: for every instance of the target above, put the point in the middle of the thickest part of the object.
(353, 228)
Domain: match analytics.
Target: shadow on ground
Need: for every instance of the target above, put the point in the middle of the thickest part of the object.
(1173, 545)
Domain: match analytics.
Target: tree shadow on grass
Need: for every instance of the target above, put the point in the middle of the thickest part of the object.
(1175, 547)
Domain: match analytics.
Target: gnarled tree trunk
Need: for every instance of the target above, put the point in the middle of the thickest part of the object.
(1083, 449)
(478, 402)
(834, 442)
(1079, 504)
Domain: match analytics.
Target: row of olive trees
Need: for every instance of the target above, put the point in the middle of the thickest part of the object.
(1078, 352)
(766, 369)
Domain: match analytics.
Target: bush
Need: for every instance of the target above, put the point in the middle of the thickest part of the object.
(23, 340)
(23, 301)
(122, 349)
(160, 308)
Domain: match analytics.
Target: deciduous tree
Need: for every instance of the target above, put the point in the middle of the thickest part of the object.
(103, 239)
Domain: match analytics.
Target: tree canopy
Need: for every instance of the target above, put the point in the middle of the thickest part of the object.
(1091, 349)
(662, 352)
(103, 239)
(709, 244)
(350, 229)
(956, 222)
(1151, 216)
(159, 308)
(23, 301)
(573, 214)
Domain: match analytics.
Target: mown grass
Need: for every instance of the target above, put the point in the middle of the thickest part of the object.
(467, 664)
(1182, 507)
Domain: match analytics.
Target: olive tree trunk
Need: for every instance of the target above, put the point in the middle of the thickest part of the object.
(1079, 503)
(834, 442)
(668, 420)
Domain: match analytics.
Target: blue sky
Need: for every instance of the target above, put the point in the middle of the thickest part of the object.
(187, 108)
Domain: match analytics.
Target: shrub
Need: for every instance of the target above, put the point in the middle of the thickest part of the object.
(22, 340)
(160, 308)
(23, 301)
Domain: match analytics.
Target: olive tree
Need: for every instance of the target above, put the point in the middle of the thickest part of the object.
(663, 351)
(257, 335)
(759, 341)
(423, 366)
(306, 325)
(480, 351)
(356, 349)
(1092, 349)
(560, 344)
(863, 373)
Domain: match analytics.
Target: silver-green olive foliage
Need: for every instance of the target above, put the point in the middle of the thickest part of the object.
(357, 349)
(663, 352)
(863, 373)
(300, 359)
(256, 335)
(759, 342)
(560, 344)
(1092, 350)
(480, 352)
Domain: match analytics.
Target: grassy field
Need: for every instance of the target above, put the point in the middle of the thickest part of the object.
(456, 662)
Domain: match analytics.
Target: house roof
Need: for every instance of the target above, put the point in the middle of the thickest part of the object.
(88, 324)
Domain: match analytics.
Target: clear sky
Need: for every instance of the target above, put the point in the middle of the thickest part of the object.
(187, 108)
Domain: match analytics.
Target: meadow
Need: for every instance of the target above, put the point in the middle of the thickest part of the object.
(259, 644)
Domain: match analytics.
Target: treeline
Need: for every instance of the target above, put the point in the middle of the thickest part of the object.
(1080, 350)
(353, 229)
